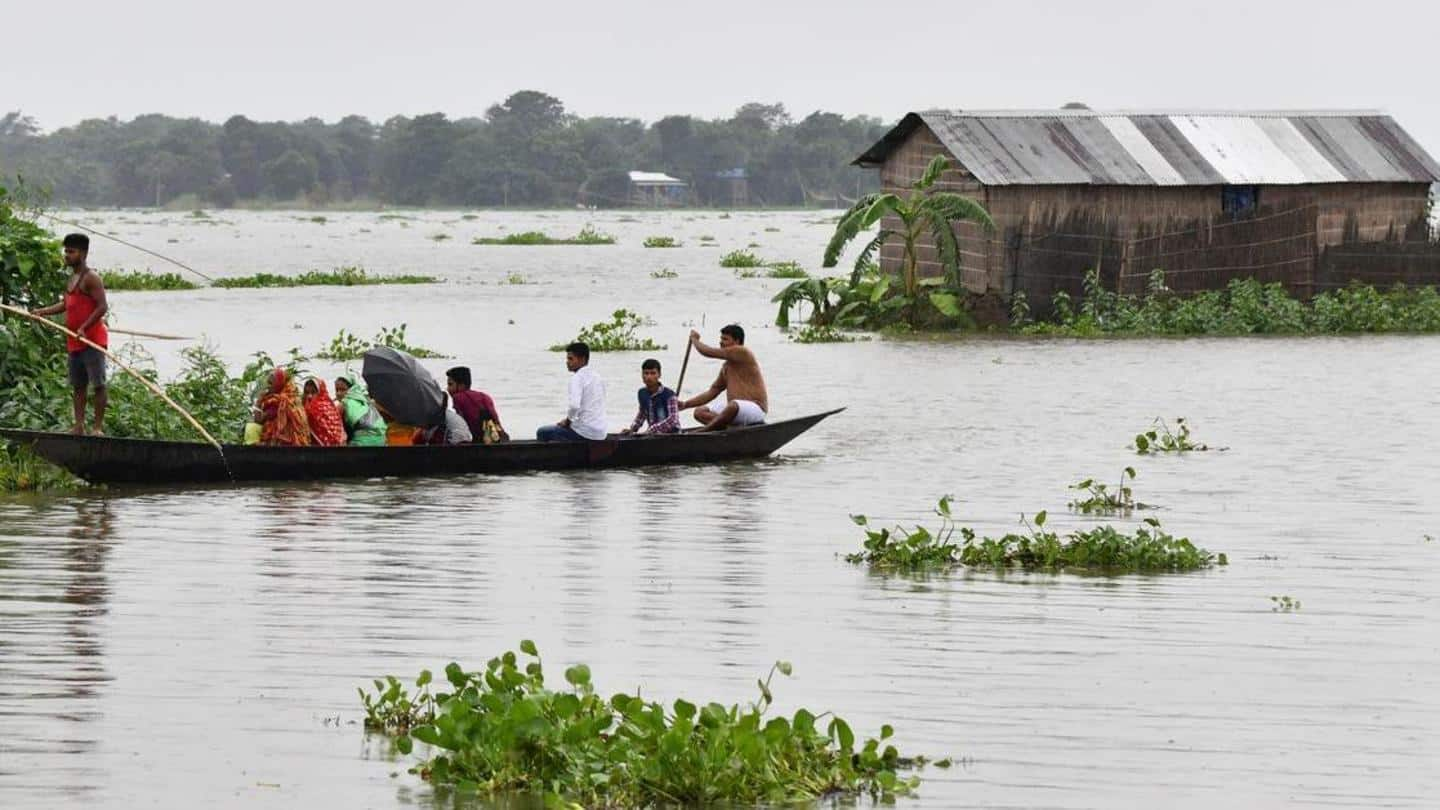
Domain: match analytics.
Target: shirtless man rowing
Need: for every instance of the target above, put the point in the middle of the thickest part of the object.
(739, 378)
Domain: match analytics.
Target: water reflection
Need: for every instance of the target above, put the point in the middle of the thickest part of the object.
(54, 592)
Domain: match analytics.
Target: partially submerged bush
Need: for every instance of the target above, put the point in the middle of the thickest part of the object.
(503, 731)
(615, 335)
(1102, 549)
(661, 242)
(741, 259)
(787, 270)
(339, 277)
(144, 280)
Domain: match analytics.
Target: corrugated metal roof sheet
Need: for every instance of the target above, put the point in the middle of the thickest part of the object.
(1086, 147)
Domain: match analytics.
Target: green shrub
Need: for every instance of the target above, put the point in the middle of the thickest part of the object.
(787, 270)
(587, 236)
(661, 242)
(741, 259)
(502, 731)
(346, 346)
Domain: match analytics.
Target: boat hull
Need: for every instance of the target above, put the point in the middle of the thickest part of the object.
(143, 461)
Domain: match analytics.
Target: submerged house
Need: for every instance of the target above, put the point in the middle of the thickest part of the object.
(656, 189)
(1293, 197)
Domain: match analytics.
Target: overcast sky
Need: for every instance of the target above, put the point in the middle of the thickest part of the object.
(292, 60)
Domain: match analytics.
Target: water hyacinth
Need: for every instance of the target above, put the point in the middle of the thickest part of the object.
(503, 731)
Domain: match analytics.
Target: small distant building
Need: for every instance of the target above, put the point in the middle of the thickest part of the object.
(735, 186)
(657, 189)
(1293, 197)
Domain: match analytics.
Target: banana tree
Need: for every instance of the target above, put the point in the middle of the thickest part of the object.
(924, 211)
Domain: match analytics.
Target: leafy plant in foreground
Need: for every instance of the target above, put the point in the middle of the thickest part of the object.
(503, 731)
(1161, 439)
(899, 549)
(1100, 500)
(615, 335)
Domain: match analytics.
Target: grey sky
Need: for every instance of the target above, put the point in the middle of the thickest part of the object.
(291, 60)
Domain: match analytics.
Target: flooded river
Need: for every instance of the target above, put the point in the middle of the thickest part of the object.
(202, 647)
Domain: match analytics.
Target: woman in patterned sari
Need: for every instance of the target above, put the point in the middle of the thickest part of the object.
(282, 417)
(326, 429)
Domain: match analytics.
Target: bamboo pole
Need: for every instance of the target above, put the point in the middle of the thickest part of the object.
(175, 262)
(137, 375)
(115, 331)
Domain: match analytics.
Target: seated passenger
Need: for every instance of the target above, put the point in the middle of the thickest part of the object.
(326, 427)
(476, 407)
(585, 416)
(658, 404)
(453, 431)
(282, 417)
(363, 424)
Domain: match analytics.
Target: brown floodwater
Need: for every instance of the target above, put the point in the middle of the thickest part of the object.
(202, 647)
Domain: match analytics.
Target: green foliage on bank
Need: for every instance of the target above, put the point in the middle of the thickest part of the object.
(339, 277)
(502, 731)
(1243, 307)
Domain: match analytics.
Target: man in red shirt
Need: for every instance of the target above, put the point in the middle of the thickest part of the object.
(475, 407)
(84, 307)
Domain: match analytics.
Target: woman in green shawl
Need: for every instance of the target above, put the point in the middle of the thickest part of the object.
(363, 424)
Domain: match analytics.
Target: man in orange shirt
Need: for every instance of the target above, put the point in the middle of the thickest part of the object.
(84, 307)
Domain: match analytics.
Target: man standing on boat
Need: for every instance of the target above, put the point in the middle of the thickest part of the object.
(84, 307)
(739, 378)
(585, 417)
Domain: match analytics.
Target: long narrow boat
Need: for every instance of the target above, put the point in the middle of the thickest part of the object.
(102, 459)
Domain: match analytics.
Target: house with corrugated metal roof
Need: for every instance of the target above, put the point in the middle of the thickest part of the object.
(1206, 197)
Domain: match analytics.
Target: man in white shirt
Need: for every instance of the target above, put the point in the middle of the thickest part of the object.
(585, 418)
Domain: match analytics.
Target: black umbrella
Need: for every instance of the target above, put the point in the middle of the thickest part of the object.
(404, 389)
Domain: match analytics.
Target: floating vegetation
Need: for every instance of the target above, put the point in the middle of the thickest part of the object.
(144, 280)
(1160, 439)
(391, 217)
(1284, 604)
(468, 217)
(772, 230)
(346, 346)
(503, 731)
(1099, 499)
(787, 270)
(196, 214)
(821, 334)
(741, 259)
(1103, 549)
(339, 277)
(319, 220)
(23, 471)
(516, 279)
(748, 272)
(662, 242)
(615, 335)
(753, 245)
(1244, 307)
(664, 273)
(439, 237)
(707, 238)
(587, 236)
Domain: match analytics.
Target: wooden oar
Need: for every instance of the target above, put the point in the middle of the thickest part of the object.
(115, 331)
(684, 365)
(137, 375)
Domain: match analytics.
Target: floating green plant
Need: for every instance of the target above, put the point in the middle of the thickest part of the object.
(741, 259)
(787, 270)
(1284, 604)
(615, 335)
(661, 242)
(1103, 549)
(587, 236)
(664, 272)
(347, 346)
(1099, 499)
(821, 334)
(503, 731)
(1161, 439)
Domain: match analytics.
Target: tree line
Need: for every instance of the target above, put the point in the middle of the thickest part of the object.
(525, 151)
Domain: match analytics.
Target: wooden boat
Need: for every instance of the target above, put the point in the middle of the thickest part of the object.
(102, 459)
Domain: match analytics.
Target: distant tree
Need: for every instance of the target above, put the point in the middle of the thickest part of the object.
(289, 175)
